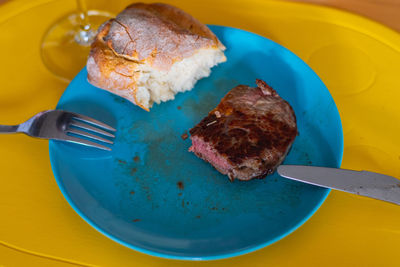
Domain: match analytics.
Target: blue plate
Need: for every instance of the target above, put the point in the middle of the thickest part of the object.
(152, 195)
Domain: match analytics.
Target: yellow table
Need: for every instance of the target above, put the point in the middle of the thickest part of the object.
(358, 60)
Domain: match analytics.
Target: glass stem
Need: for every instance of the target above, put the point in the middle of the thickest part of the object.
(85, 35)
(83, 16)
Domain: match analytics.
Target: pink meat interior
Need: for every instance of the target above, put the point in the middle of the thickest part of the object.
(208, 153)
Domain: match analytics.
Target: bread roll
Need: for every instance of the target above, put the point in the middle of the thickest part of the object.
(150, 52)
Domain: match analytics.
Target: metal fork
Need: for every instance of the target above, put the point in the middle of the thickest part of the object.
(65, 126)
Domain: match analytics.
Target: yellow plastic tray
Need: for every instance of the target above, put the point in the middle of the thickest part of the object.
(359, 61)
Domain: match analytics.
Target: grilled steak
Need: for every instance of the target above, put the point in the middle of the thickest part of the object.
(248, 134)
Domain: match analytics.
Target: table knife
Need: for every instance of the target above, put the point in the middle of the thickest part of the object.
(363, 183)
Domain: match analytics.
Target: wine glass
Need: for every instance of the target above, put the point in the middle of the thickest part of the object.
(66, 44)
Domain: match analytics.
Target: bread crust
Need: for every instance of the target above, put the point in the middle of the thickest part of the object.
(157, 35)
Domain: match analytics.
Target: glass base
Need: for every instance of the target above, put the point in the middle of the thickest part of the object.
(62, 52)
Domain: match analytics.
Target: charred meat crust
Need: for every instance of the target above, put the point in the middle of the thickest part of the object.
(252, 128)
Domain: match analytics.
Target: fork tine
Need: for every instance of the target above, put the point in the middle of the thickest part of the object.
(80, 141)
(97, 123)
(89, 135)
(91, 128)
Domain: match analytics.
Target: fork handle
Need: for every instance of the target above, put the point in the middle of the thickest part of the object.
(8, 128)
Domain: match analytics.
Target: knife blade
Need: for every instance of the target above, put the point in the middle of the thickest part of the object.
(363, 183)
